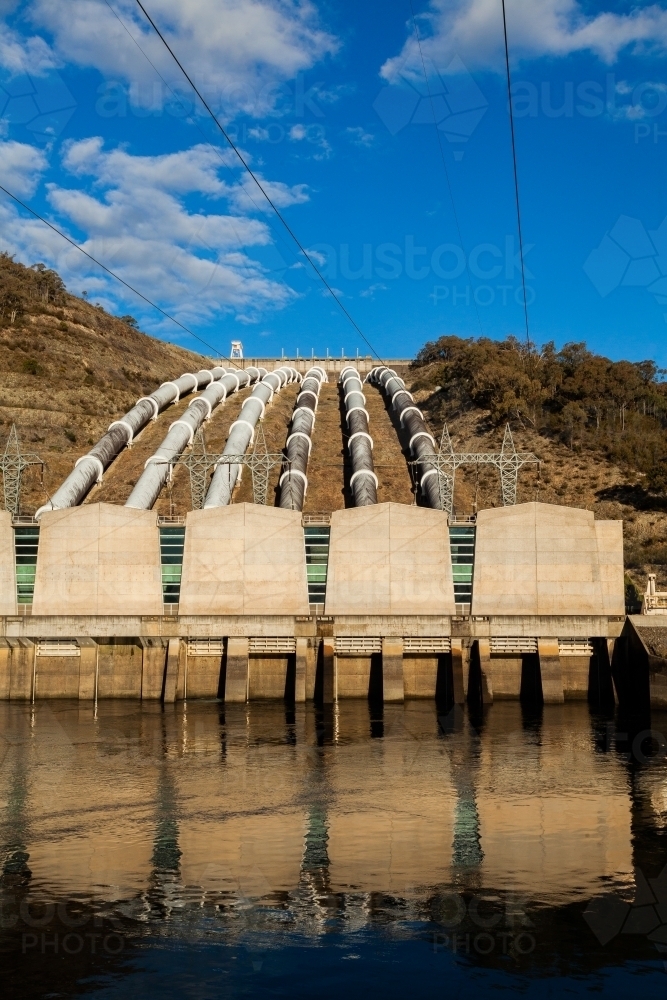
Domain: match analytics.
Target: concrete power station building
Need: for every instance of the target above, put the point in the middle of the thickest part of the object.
(102, 595)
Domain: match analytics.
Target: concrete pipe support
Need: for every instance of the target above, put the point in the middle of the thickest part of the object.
(242, 433)
(293, 480)
(410, 417)
(181, 434)
(121, 433)
(363, 481)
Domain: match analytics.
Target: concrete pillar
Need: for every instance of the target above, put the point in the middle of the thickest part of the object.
(550, 671)
(152, 669)
(311, 668)
(393, 687)
(486, 670)
(459, 684)
(611, 646)
(236, 679)
(171, 675)
(5, 669)
(301, 669)
(22, 669)
(329, 670)
(87, 669)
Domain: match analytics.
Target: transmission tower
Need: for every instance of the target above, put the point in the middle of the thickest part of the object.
(13, 463)
(508, 462)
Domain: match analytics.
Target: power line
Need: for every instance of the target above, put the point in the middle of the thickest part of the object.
(263, 190)
(516, 175)
(444, 162)
(141, 295)
(215, 149)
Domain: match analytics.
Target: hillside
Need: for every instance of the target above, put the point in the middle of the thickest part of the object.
(598, 427)
(68, 370)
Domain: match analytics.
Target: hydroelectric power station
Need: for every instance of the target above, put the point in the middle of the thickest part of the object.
(108, 598)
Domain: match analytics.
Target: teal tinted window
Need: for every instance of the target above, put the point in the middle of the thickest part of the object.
(172, 541)
(26, 542)
(317, 562)
(462, 545)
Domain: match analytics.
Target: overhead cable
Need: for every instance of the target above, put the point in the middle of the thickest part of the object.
(516, 175)
(117, 276)
(257, 181)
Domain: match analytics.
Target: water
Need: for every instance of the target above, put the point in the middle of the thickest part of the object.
(260, 851)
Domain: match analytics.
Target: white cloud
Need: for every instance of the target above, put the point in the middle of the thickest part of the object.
(369, 293)
(359, 136)
(239, 51)
(473, 30)
(20, 55)
(196, 264)
(21, 167)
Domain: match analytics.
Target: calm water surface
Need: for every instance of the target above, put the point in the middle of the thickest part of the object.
(199, 851)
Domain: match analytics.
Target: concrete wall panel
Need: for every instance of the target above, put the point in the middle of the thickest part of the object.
(542, 559)
(7, 578)
(98, 559)
(389, 559)
(244, 560)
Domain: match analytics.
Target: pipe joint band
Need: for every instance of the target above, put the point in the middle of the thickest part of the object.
(251, 428)
(96, 460)
(184, 423)
(202, 399)
(176, 389)
(421, 434)
(128, 428)
(400, 393)
(360, 434)
(304, 409)
(294, 472)
(409, 409)
(354, 392)
(300, 434)
(153, 402)
(364, 472)
(353, 409)
(194, 379)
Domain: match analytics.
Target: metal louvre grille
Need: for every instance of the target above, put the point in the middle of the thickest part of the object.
(205, 647)
(172, 541)
(513, 644)
(58, 647)
(272, 644)
(427, 644)
(317, 562)
(575, 647)
(357, 645)
(462, 547)
(26, 542)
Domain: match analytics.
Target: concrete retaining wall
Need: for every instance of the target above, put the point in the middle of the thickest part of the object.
(99, 559)
(541, 559)
(389, 559)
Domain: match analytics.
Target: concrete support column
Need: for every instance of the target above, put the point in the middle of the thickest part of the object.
(87, 669)
(459, 684)
(393, 687)
(486, 670)
(301, 669)
(550, 670)
(22, 669)
(5, 669)
(171, 675)
(153, 665)
(329, 670)
(236, 680)
(311, 668)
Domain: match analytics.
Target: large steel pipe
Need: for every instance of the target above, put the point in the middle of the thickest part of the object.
(294, 481)
(242, 433)
(121, 433)
(181, 433)
(363, 481)
(421, 443)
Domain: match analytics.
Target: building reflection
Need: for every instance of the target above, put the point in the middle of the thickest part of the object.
(289, 823)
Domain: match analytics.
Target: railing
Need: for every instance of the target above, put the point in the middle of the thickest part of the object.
(164, 520)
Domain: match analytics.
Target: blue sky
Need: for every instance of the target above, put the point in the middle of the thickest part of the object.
(348, 130)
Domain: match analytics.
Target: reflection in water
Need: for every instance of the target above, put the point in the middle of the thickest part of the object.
(499, 843)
